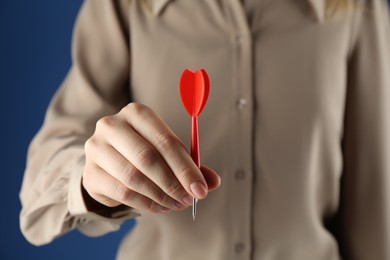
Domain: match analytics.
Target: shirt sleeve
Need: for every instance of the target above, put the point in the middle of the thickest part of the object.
(96, 85)
(365, 187)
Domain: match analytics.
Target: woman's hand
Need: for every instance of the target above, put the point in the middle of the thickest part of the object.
(135, 159)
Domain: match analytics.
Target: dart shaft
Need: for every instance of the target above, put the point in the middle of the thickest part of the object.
(195, 155)
(195, 141)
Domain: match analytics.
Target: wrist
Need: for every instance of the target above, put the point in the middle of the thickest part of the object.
(96, 207)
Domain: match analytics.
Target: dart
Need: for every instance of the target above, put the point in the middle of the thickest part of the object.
(194, 91)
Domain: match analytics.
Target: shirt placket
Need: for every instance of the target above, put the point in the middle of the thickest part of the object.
(241, 175)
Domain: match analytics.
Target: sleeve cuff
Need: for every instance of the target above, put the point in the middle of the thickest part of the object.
(90, 223)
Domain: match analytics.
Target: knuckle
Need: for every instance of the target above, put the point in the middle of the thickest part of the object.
(166, 141)
(185, 174)
(135, 108)
(130, 175)
(153, 207)
(163, 198)
(174, 189)
(147, 157)
(90, 143)
(122, 193)
(138, 113)
(149, 205)
(105, 123)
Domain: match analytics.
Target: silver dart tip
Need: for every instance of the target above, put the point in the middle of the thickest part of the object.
(194, 201)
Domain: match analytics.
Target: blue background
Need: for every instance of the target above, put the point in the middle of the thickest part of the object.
(35, 39)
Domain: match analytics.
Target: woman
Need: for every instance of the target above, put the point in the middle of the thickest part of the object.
(295, 127)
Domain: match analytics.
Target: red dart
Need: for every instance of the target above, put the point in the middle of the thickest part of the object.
(194, 92)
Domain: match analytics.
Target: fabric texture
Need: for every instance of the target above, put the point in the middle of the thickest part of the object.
(296, 125)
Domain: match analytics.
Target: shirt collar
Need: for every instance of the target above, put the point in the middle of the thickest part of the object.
(317, 6)
(156, 6)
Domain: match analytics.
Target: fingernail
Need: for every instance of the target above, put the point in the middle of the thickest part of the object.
(179, 205)
(187, 199)
(198, 189)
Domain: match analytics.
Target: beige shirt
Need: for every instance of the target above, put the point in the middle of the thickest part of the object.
(297, 125)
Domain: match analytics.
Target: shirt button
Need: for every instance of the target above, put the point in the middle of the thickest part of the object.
(239, 248)
(240, 175)
(241, 103)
